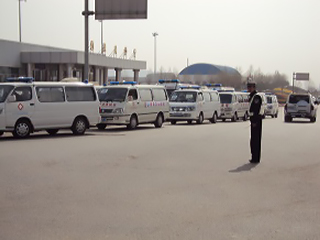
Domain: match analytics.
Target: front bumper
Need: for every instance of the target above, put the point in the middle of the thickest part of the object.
(115, 119)
(298, 114)
(182, 116)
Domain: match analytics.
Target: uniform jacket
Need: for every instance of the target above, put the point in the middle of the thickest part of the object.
(255, 106)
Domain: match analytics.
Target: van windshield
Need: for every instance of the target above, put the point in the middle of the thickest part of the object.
(269, 99)
(183, 97)
(298, 98)
(225, 98)
(112, 94)
(4, 91)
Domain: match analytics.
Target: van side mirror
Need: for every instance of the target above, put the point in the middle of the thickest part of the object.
(12, 98)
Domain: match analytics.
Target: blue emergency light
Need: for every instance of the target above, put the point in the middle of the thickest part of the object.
(129, 82)
(20, 79)
(114, 83)
(169, 81)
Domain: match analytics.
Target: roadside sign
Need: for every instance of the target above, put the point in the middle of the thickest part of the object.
(121, 9)
(302, 76)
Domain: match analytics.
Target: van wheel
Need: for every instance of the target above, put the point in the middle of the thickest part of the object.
(1, 133)
(22, 129)
(52, 131)
(101, 126)
(159, 121)
(200, 120)
(79, 126)
(287, 119)
(235, 117)
(214, 118)
(173, 122)
(313, 119)
(133, 123)
(245, 117)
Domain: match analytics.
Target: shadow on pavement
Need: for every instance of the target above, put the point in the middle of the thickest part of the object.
(243, 168)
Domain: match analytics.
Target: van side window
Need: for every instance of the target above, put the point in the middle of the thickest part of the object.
(80, 94)
(159, 94)
(240, 99)
(22, 94)
(145, 95)
(50, 94)
(207, 97)
(133, 95)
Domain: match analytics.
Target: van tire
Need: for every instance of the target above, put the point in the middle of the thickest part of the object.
(52, 131)
(200, 120)
(313, 119)
(288, 119)
(214, 118)
(133, 122)
(159, 121)
(79, 126)
(173, 122)
(1, 133)
(101, 126)
(235, 117)
(22, 129)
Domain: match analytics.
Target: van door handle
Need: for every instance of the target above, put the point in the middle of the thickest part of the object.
(31, 104)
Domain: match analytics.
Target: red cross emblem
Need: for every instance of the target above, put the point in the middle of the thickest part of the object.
(20, 106)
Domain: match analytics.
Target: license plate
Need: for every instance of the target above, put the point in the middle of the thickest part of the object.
(106, 119)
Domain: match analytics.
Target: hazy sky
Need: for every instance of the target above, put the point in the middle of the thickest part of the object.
(271, 35)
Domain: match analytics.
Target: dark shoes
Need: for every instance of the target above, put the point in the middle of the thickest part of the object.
(254, 162)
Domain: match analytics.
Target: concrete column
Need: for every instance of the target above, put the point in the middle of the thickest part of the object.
(60, 74)
(136, 75)
(105, 76)
(96, 75)
(69, 71)
(118, 74)
(30, 68)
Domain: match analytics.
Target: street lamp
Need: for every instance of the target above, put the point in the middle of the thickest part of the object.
(155, 34)
(20, 18)
(101, 21)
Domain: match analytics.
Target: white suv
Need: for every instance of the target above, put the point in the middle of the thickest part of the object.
(300, 105)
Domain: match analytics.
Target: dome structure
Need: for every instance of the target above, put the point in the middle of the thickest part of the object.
(202, 73)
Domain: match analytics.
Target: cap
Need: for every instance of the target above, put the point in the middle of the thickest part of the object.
(250, 82)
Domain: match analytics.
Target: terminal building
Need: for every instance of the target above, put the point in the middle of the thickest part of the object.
(45, 63)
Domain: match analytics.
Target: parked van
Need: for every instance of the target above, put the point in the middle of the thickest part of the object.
(194, 105)
(272, 108)
(27, 107)
(234, 105)
(131, 104)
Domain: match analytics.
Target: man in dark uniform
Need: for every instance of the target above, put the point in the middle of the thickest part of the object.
(256, 121)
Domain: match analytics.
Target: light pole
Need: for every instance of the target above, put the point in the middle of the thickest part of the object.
(20, 18)
(155, 34)
(101, 23)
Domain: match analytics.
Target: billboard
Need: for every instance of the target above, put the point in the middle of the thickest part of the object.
(302, 76)
(121, 9)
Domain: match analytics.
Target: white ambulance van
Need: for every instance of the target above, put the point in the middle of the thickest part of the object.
(234, 105)
(194, 104)
(130, 104)
(28, 106)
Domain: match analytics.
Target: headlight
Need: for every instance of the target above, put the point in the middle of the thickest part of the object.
(191, 108)
(118, 110)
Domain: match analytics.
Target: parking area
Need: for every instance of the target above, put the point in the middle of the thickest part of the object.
(178, 182)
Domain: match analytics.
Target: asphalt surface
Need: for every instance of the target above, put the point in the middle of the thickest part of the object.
(178, 182)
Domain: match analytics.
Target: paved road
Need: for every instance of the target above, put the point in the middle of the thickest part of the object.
(179, 182)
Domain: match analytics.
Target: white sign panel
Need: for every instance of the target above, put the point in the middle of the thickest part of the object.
(121, 9)
(302, 76)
